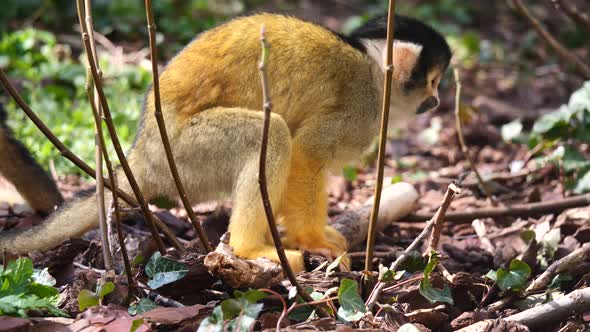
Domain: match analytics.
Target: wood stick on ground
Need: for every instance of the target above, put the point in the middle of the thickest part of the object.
(116, 143)
(267, 107)
(99, 144)
(397, 200)
(69, 155)
(563, 52)
(164, 135)
(459, 127)
(382, 135)
(554, 311)
(574, 13)
(437, 218)
(566, 263)
(516, 210)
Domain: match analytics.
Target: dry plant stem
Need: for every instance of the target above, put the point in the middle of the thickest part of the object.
(566, 263)
(439, 220)
(517, 210)
(563, 52)
(67, 153)
(464, 150)
(554, 311)
(436, 219)
(284, 312)
(574, 13)
(93, 99)
(382, 136)
(164, 135)
(116, 144)
(267, 106)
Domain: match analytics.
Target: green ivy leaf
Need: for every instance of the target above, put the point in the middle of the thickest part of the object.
(515, 277)
(352, 307)
(251, 296)
(559, 280)
(143, 305)
(105, 289)
(136, 324)
(527, 235)
(414, 262)
(87, 299)
(350, 173)
(432, 294)
(163, 271)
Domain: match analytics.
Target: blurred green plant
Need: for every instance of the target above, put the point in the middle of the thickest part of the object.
(561, 135)
(53, 83)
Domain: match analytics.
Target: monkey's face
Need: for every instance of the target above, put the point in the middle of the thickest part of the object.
(413, 94)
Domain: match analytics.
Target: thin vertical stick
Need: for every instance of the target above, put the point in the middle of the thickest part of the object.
(276, 237)
(115, 140)
(93, 99)
(69, 155)
(163, 133)
(382, 136)
(464, 149)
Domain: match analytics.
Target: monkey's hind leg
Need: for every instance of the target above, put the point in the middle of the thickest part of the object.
(226, 142)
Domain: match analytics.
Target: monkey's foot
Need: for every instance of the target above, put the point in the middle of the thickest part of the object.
(331, 244)
(294, 257)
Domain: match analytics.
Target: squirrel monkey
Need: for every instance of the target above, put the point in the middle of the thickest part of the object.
(30, 180)
(327, 93)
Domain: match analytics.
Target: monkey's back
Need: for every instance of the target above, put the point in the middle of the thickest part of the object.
(310, 68)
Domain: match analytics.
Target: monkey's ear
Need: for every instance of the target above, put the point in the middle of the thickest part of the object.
(405, 58)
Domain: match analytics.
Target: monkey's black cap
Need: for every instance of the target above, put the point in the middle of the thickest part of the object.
(435, 50)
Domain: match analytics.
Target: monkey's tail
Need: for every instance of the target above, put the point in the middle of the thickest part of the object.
(70, 221)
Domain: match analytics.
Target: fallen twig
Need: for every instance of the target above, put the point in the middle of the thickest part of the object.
(573, 303)
(439, 217)
(564, 264)
(517, 210)
(563, 52)
(164, 135)
(115, 140)
(574, 13)
(436, 219)
(68, 154)
(382, 136)
(276, 237)
(459, 127)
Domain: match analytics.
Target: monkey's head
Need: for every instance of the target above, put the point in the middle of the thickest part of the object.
(420, 58)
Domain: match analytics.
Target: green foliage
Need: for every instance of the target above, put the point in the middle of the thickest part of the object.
(432, 294)
(87, 299)
(352, 307)
(237, 314)
(561, 133)
(143, 305)
(163, 271)
(53, 84)
(514, 278)
(24, 290)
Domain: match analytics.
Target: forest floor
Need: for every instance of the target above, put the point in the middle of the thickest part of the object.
(425, 153)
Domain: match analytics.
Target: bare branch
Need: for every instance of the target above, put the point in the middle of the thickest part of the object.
(437, 219)
(276, 237)
(574, 13)
(164, 135)
(566, 263)
(382, 136)
(563, 52)
(116, 143)
(517, 210)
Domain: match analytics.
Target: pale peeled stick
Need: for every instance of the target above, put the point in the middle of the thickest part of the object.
(397, 200)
